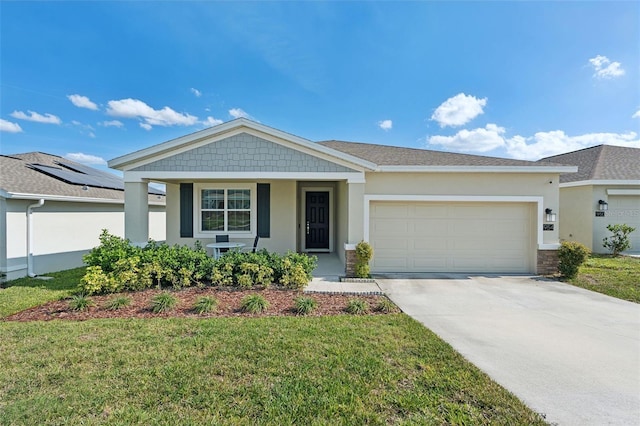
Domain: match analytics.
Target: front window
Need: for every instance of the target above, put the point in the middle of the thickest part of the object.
(225, 210)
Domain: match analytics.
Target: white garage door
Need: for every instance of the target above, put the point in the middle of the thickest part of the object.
(452, 237)
(625, 209)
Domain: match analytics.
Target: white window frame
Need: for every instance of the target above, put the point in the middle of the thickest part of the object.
(197, 211)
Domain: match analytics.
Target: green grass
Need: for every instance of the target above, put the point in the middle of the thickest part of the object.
(18, 295)
(615, 276)
(278, 370)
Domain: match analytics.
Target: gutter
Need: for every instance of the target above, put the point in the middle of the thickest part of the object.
(30, 208)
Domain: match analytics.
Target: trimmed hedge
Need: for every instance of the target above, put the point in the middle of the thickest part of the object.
(117, 265)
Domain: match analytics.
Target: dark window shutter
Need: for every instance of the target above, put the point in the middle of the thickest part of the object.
(186, 210)
(264, 210)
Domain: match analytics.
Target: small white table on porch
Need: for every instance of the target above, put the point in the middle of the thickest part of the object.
(226, 245)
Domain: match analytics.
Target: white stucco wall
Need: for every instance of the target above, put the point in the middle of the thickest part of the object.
(62, 233)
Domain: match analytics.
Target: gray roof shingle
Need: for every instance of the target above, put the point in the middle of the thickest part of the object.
(18, 176)
(602, 162)
(384, 155)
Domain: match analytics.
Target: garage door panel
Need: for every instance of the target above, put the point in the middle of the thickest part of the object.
(452, 237)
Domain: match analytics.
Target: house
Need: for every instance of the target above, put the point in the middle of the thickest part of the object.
(52, 211)
(421, 210)
(605, 190)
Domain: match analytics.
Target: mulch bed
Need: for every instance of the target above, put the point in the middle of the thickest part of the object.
(280, 304)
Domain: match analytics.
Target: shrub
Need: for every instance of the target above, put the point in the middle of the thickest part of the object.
(254, 304)
(386, 306)
(205, 304)
(357, 306)
(117, 303)
(304, 305)
(571, 255)
(163, 302)
(96, 281)
(111, 249)
(80, 302)
(364, 253)
(619, 241)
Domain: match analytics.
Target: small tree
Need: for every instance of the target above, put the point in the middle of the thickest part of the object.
(619, 241)
(571, 255)
(364, 253)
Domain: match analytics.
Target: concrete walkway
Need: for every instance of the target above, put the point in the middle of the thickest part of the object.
(568, 353)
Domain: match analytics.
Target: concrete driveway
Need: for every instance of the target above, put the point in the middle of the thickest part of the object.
(568, 353)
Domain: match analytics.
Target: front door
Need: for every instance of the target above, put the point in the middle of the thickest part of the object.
(317, 220)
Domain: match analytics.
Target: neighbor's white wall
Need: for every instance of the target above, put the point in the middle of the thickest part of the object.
(3, 235)
(62, 233)
(503, 184)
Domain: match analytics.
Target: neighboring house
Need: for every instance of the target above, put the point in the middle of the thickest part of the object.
(421, 210)
(604, 191)
(55, 209)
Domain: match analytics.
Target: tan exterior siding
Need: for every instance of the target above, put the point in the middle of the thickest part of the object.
(282, 218)
(576, 215)
(476, 184)
(578, 221)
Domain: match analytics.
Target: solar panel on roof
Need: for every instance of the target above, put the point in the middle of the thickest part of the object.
(93, 178)
(76, 178)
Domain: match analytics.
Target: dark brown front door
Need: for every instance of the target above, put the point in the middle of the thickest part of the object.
(317, 220)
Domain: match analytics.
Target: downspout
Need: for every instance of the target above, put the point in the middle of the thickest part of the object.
(30, 235)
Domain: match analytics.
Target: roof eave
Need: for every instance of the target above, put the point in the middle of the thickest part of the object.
(68, 198)
(480, 169)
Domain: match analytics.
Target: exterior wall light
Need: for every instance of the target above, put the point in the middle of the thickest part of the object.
(551, 216)
(603, 205)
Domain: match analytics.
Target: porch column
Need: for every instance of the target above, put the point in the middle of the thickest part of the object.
(136, 212)
(356, 212)
(356, 224)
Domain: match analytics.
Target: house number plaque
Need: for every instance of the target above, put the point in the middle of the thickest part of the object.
(599, 214)
(547, 226)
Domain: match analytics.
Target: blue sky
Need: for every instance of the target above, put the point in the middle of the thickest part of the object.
(95, 80)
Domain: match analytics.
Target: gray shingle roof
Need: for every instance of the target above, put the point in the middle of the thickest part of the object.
(602, 162)
(18, 176)
(384, 155)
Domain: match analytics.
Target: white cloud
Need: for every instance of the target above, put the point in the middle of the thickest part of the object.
(196, 92)
(82, 102)
(238, 113)
(604, 68)
(545, 144)
(458, 110)
(85, 158)
(8, 126)
(38, 118)
(210, 122)
(111, 123)
(476, 140)
(134, 108)
(636, 115)
(385, 124)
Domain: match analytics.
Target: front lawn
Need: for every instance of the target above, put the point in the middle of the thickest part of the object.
(27, 292)
(614, 276)
(384, 369)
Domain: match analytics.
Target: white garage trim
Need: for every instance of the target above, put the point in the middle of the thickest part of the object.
(464, 198)
(623, 191)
